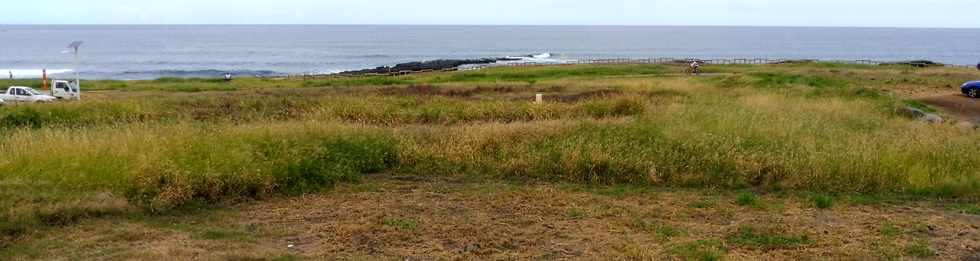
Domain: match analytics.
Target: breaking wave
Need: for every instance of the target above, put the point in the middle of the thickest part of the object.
(31, 73)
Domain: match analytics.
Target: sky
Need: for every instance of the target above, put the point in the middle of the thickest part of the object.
(862, 13)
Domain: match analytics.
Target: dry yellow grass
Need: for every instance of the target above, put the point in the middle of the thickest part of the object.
(801, 128)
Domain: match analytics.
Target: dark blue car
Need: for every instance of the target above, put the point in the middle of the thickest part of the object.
(971, 89)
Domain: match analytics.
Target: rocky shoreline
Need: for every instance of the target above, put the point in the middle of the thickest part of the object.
(434, 65)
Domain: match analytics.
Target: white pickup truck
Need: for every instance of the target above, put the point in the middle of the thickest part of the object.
(65, 90)
(25, 94)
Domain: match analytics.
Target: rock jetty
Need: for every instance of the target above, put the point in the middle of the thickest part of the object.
(434, 65)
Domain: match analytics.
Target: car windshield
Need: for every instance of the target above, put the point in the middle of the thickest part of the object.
(35, 92)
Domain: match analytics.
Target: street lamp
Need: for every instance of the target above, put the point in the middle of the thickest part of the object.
(73, 47)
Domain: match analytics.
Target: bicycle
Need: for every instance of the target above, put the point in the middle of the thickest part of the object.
(693, 71)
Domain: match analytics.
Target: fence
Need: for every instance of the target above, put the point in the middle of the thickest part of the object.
(729, 61)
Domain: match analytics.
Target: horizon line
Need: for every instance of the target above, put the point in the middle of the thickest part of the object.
(490, 25)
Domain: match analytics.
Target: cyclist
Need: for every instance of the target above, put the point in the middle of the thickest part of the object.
(696, 67)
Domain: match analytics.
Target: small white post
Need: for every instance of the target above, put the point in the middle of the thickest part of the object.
(539, 98)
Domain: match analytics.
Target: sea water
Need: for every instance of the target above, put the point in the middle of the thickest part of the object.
(153, 51)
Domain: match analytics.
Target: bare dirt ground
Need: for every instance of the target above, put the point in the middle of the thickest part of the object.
(388, 218)
(956, 105)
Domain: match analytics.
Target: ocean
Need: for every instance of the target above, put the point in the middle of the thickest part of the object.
(151, 51)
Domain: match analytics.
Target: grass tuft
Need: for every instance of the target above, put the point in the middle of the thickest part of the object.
(704, 250)
(766, 239)
(402, 224)
(747, 199)
(920, 249)
(822, 201)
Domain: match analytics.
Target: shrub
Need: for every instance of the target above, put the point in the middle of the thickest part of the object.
(822, 201)
(746, 199)
(22, 116)
(335, 160)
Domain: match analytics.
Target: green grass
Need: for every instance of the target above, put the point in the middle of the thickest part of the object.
(822, 201)
(754, 238)
(890, 230)
(919, 105)
(785, 80)
(534, 75)
(399, 223)
(747, 199)
(576, 214)
(920, 249)
(660, 231)
(701, 204)
(703, 250)
(970, 209)
(810, 128)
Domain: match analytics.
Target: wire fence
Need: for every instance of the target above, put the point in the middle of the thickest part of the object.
(727, 61)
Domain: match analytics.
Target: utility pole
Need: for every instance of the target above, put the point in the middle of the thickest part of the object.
(78, 83)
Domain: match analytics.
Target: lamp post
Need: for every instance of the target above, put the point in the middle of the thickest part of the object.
(73, 47)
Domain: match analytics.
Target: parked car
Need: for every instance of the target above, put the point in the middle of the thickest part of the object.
(971, 89)
(65, 90)
(25, 94)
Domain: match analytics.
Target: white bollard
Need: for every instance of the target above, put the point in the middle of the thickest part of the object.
(539, 98)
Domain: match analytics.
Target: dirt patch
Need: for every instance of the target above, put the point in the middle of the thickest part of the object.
(446, 219)
(956, 105)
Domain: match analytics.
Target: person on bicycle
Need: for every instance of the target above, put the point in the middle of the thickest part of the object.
(696, 67)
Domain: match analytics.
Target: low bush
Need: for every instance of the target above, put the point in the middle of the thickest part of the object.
(822, 201)
(746, 199)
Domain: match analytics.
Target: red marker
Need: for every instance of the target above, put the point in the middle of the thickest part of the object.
(44, 79)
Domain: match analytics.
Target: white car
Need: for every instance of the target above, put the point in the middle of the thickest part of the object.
(25, 94)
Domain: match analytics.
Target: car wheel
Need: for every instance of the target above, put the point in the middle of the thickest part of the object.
(973, 93)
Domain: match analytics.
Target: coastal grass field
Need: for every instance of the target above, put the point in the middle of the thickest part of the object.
(620, 162)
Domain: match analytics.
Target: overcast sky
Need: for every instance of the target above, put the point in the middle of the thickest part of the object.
(877, 13)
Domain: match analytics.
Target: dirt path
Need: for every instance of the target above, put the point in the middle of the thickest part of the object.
(386, 218)
(956, 105)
